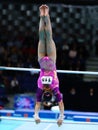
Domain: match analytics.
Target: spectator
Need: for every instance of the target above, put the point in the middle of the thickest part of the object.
(15, 88)
(72, 56)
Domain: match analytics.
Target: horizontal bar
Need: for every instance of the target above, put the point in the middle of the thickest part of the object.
(35, 70)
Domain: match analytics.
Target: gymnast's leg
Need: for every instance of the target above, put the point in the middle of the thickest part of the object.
(50, 45)
(41, 44)
(46, 44)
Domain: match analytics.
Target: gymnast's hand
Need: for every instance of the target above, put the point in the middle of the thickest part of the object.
(59, 122)
(37, 121)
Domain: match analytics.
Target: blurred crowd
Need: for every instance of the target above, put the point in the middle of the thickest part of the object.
(21, 51)
(18, 51)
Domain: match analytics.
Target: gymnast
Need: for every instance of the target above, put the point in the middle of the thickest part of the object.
(48, 79)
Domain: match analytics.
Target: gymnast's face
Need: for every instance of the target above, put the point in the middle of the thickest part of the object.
(47, 92)
(46, 87)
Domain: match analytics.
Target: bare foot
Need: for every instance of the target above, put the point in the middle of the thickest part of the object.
(44, 10)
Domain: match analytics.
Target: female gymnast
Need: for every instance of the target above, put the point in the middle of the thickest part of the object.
(48, 79)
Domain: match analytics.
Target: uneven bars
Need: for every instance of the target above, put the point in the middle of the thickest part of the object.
(35, 70)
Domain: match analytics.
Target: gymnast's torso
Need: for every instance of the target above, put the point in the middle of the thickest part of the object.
(48, 68)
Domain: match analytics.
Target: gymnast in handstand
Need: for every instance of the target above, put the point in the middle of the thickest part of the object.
(48, 79)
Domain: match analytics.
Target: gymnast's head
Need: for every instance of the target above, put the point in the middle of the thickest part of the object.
(47, 96)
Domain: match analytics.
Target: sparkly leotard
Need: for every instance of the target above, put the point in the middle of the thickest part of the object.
(48, 68)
